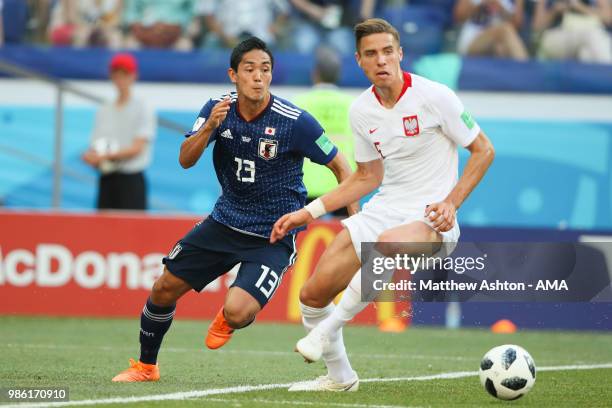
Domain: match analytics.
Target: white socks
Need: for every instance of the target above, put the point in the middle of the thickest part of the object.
(335, 358)
(338, 365)
(312, 316)
(350, 305)
(330, 320)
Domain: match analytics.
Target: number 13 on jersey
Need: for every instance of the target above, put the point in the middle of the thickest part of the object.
(248, 166)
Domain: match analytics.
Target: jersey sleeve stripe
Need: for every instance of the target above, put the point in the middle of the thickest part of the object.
(283, 113)
(289, 108)
(289, 112)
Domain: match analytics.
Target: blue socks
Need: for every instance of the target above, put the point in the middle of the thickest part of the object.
(154, 323)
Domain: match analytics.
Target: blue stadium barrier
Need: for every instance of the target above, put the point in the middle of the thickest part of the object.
(488, 74)
(560, 316)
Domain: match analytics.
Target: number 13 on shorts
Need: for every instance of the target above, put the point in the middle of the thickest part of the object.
(267, 287)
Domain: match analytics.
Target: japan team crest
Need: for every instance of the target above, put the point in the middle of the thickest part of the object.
(411, 125)
(268, 148)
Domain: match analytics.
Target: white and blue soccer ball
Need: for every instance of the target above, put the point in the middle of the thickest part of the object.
(507, 372)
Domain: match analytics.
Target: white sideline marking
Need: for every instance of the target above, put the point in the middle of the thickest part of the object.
(575, 367)
(158, 397)
(462, 374)
(262, 387)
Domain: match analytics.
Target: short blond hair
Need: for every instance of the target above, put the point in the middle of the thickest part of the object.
(374, 26)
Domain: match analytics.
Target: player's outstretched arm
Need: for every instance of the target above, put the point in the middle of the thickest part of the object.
(193, 147)
(363, 181)
(341, 169)
(442, 214)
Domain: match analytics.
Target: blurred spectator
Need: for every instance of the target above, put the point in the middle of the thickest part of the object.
(39, 17)
(367, 9)
(159, 23)
(328, 22)
(574, 29)
(490, 28)
(14, 18)
(230, 21)
(1, 25)
(85, 23)
(330, 106)
(121, 142)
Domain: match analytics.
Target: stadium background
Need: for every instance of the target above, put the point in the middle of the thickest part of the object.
(550, 122)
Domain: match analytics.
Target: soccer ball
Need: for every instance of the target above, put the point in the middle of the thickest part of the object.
(507, 372)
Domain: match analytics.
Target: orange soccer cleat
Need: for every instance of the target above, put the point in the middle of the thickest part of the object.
(219, 332)
(138, 372)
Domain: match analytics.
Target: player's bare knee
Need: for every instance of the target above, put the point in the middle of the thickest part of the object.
(387, 248)
(388, 237)
(156, 290)
(313, 298)
(237, 317)
(163, 292)
(408, 241)
(306, 296)
(388, 243)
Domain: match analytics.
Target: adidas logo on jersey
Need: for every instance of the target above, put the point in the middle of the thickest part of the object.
(227, 134)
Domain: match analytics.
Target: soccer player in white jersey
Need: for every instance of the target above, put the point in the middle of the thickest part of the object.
(407, 129)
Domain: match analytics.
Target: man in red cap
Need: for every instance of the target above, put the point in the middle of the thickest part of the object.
(121, 142)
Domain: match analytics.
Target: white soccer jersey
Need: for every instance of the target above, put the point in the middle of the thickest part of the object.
(417, 140)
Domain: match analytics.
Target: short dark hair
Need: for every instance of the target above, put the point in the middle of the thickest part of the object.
(250, 44)
(374, 26)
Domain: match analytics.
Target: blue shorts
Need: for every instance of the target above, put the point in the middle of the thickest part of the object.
(211, 249)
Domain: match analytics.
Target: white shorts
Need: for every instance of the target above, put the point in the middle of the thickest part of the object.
(372, 221)
(368, 224)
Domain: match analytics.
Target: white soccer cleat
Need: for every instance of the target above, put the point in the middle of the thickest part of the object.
(312, 346)
(324, 383)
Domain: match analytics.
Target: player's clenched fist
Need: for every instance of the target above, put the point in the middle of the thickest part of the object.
(218, 113)
(193, 147)
(441, 215)
(288, 222)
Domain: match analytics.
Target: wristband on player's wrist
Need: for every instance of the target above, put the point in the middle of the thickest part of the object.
(316, 208)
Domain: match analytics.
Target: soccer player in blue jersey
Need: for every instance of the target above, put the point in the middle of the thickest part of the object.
(260, 144)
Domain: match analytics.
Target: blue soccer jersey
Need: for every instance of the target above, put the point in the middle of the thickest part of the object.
(259, 162)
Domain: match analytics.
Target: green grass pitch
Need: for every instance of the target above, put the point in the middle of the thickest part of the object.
(84, 354)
